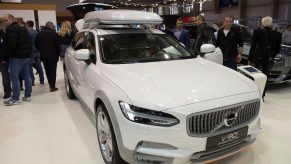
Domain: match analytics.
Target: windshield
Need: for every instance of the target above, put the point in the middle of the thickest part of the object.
(140, 47)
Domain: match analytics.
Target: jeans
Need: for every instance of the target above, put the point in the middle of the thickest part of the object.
(4, 69)
(63, 50)
(31, 70)
(37, 66)
(20, 66)
(51, 72)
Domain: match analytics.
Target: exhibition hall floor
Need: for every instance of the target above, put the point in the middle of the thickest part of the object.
(55, 130)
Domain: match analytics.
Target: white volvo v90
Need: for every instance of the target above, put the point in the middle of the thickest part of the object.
(153, 101)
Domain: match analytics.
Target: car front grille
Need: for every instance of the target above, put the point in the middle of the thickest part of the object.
(213, 122)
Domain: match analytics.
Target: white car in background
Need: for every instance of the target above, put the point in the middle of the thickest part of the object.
(153, 101)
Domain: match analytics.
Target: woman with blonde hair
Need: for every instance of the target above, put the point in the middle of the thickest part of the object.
(66, 34)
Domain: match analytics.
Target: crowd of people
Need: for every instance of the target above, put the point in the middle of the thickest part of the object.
(23, 48)
(265, 43)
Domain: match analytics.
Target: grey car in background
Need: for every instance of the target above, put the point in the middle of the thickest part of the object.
(281, 70)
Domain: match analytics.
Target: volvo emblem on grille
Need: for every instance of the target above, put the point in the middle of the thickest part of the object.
(230, 118)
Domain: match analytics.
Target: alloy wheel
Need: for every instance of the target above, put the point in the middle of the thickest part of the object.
(104, 136)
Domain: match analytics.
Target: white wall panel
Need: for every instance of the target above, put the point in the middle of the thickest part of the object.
(47, 15)
(25, 14)
(11, 1)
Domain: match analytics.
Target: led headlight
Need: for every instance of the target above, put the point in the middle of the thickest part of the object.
(146, 116)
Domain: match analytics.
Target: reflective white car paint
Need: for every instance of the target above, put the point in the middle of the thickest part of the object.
(169, 84)
(179, 87)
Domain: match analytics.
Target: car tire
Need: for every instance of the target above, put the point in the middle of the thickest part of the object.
(69, 91)
(106, 137)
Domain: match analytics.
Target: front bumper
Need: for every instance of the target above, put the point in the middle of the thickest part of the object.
(149, 152)
(152, 144)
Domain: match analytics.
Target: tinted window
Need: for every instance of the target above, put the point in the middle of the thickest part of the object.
(78, 41)
(141, 47)
(89, 43)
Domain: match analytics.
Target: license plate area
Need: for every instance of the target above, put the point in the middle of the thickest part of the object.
(227, 138)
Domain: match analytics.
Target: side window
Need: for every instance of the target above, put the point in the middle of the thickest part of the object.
(77, 43)
(89, 43)
(76, 38)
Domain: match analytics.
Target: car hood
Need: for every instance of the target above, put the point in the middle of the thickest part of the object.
(169, 84)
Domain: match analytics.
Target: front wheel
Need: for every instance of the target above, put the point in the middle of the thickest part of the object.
(106, 137)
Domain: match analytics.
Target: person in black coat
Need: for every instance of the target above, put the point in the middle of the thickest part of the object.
(264, 47)
(47, 41)
(17, 49)
(204, 34)
(4, 66)
(228, 40)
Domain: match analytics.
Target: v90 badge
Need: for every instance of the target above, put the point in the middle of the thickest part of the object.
(230, 137)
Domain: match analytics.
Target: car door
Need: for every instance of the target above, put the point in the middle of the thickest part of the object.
(89, 72)
(72, 64)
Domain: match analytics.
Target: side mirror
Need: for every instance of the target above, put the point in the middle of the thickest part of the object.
(207, 48)
(82, 54)
(211, 53)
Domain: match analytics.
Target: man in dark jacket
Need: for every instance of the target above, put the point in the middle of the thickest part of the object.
(204, 34)
(47, 41)
(35, 57)
(264, 47)
(181, 34)
(4, 65)
(228, 40)
(17, 49)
